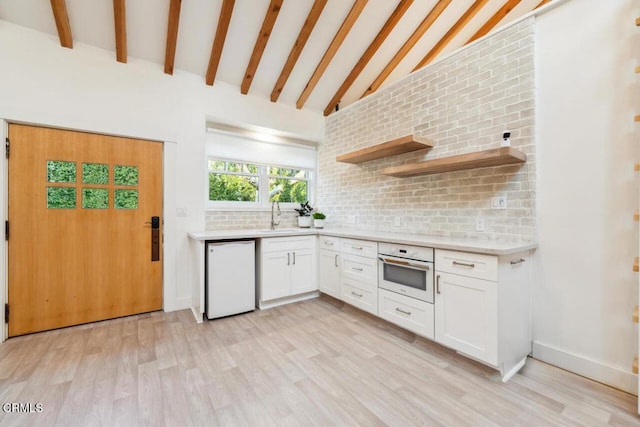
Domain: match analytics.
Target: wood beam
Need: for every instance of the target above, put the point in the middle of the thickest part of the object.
(426, 23)
(342, 33)
(172, 35)
(218, 43)
(391, 23)
(120, 19)
(59, 8)
(296, 50)
(495, 19)
(542, 3)
(261, 43)
(453, 31)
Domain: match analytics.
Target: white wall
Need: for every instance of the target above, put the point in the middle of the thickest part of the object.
(86, 89)
(586, 51)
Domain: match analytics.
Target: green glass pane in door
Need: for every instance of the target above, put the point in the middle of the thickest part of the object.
(95, 198)
(61, 197)
(126, 199)
(60, 171)
(126, 175)
(95, 173)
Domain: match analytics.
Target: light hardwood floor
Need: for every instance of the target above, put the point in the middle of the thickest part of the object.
(316, 362)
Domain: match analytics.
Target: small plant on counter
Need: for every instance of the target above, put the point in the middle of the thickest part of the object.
(318, 219)
(304, 212)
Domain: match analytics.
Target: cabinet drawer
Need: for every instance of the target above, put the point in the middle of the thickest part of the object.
(359, 247)
(467, 264)
(359, 268)
(363, 297)
(409, 313)
(329, 242)
(274, 244)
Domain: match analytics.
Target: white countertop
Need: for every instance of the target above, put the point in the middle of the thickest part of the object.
(492, 247)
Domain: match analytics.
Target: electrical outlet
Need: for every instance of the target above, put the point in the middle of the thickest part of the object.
(479, 223)
(499, 202)
(181, 212)
(396, 221)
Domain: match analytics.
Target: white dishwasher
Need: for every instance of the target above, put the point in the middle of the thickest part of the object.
(231, 278)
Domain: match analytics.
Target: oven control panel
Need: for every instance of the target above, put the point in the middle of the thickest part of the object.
(406, 251)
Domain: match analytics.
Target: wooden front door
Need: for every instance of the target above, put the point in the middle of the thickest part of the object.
(80, 237)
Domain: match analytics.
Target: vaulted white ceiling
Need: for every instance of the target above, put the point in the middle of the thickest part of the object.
(92, 22)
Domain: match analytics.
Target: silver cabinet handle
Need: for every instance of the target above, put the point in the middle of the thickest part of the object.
(288, 258)
(408, 313)
(359, 248)
(335, 261)
(356, 268)
(464, 264)
(517, 261)
(326, 242)
(356, 294)
(294, 258)
(438, 284)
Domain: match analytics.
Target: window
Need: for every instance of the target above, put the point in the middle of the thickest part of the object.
(239, 184)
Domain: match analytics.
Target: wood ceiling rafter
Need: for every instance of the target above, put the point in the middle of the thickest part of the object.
(542, 3)
(172, 35)
(452, 33)
(495, 19)
(120, 19)
(382, 35)
(342, 33)
(426, 23)
(218, 43)
(59, 8)
(296, 50)
(261, 43)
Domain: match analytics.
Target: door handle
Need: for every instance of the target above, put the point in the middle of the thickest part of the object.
(155, 238)
(438, 284)
(335, 260)
(294, 258)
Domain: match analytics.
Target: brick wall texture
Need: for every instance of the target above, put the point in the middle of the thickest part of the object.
(461, 104)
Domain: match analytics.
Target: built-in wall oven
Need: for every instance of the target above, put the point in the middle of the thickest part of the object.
(407, 270)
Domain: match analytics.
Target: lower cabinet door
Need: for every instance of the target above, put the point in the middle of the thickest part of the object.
(409, 313)
(329, 272)
(466, 315)
(361, 295)
(275, 279)
(303, 271)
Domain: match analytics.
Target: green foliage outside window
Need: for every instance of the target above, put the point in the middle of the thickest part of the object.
(126, 199)
(61, 197)
(58, 171)
(95, 198)
(95, 173)
(125, 175)
(237, 188)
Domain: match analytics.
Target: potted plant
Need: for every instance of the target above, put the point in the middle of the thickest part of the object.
(304, 212)
(318, 219)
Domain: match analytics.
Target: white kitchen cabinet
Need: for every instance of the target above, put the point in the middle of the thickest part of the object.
(286, 270)
(483, 307)
(329, 266)
(409, 313)
(359, 274)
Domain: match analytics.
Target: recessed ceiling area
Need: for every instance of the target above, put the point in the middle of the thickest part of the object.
(311, 54)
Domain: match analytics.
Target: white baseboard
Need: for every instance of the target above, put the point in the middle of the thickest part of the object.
(581, 365)
(196, 315)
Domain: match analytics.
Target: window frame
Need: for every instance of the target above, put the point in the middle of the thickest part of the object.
(263, 175)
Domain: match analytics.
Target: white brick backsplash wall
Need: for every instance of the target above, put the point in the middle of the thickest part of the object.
(235, 220)
(462, 104)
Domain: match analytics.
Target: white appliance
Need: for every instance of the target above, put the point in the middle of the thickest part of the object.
(406, 270)
(231, 278)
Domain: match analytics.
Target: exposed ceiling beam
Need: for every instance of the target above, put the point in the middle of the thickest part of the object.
(495, 19)
(391, 23)
(120, 18)
(218, 43)
(172, 35)
(342, 33)
(542, 3)
(453, 31)
(296, 50)
(426, 23)
(261, 44)
(59, 8)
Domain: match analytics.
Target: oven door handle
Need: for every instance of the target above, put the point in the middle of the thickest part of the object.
(415, 265)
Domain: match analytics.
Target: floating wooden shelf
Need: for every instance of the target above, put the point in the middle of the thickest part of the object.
(635, 314)
(636, 167)
(479, 159)
(636, 267)
(636, 216)
(406, 144)
(638, 69)
(635, 364)
(636, 118)
(637, 22)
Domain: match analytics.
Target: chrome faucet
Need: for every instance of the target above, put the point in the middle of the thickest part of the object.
(273, 223)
